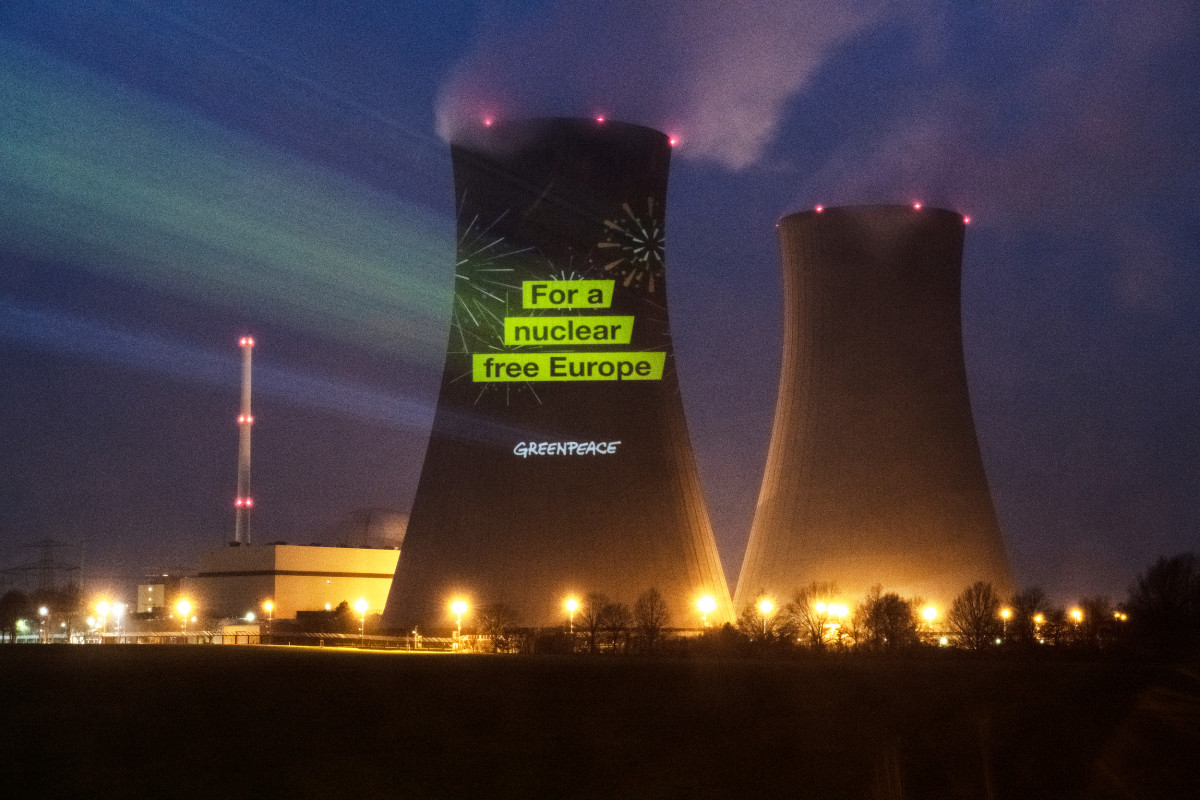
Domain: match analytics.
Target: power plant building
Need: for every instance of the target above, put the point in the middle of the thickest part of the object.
(874, 474)
(559, 462)
(232, 581)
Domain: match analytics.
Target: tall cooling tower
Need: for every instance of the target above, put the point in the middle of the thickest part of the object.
(874, 474)
(559, 462)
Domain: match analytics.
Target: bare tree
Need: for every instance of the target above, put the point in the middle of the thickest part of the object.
(1056, 627)
(853, 630)
(497, 622)
(1164, 601)
(652, 616)
(813, 613)
(1099, 626)
(590, 618)
(616, 620)
(888, 621)
(14, 605)
(974, 617)
(1026, 607)
(768, 627)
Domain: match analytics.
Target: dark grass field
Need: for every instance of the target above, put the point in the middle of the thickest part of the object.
(252, 722)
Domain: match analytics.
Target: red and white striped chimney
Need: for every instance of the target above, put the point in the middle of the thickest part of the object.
(244, 502)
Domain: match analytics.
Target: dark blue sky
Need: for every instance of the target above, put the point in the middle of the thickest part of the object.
(175, 175)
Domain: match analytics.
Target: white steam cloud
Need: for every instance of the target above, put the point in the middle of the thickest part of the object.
(716, 74)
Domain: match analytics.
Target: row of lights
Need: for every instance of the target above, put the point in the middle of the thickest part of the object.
(916, 207)
(766, 606)
(706, 605)
(489, 121)
(184, 609)
(459, 607)
(929, 613)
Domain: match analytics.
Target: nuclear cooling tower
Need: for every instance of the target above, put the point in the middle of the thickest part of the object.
(559, 462)
(874, 474)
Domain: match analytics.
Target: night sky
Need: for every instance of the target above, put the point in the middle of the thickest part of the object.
(177, 175)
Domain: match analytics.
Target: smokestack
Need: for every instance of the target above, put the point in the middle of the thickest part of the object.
(244, 502)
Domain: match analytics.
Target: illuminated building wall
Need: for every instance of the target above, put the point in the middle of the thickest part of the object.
(874, 474)
(559, 462)
(234, 580)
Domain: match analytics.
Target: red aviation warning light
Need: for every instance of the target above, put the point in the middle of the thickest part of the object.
(820, 209)
(600, 118)
(966, 220)
(917, 206)
(241, 525)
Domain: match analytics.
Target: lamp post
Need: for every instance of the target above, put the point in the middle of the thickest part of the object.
(361, 606)
(184, 608)
(571, 605)
(269, 607)
(118, 610)
(459, 607)
(930, 614)
(102, 608)
(707, 605)
(44, 613)
(765, 607)
(1077, 619)
(1005, 615)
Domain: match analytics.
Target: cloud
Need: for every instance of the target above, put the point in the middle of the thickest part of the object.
(718, 75)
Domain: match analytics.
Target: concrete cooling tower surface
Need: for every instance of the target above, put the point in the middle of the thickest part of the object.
(559, 462)
(874, 474)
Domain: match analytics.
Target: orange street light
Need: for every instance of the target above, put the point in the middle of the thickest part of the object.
(361, 606)
(269, 607)
(102, 608)
(572, 605)
(765, 607)
(459, 607)
(184, 607)
(707, 605)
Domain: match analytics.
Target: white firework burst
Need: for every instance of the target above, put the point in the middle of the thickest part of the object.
(639, 245)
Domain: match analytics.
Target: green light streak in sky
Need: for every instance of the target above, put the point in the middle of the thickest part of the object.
(101, 177)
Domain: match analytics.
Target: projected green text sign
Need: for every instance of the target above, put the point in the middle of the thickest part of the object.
(566, 294)
(563, 331)
(568, 330)
(567, 367)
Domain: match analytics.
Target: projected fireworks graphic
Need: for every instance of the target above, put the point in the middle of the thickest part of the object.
(490, 273)
(486, 271)
(639, 245)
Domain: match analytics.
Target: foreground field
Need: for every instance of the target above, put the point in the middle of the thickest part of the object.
(142, 721)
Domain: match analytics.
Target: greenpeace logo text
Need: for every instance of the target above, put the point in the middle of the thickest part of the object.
(526, 449)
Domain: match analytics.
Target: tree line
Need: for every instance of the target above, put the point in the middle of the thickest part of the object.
(1161, 613)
